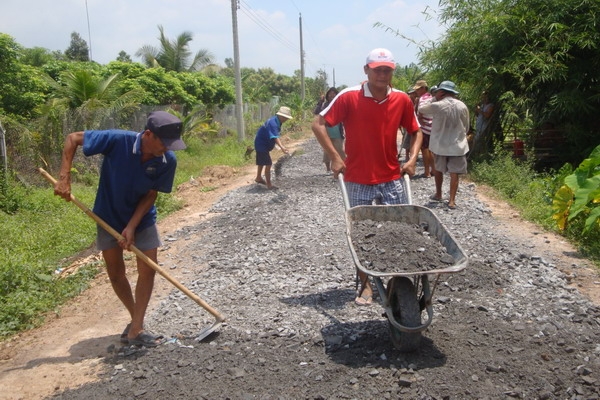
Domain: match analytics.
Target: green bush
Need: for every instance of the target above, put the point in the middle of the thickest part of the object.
(35, 241)
(575, 203)
(532, 194)
(518, 183)
(11, 194)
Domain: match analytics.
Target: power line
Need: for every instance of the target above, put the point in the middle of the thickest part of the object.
(307, 58)
(262, 23)
(259, 20)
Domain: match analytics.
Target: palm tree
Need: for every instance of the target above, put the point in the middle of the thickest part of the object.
(88, 97)
(174, 55)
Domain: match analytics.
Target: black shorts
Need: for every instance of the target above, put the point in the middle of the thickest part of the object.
(263, 158)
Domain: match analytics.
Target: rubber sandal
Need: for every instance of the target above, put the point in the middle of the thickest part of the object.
(147, 340)
(124, 339)
(363, 300)
(435, 198)
(261, 182)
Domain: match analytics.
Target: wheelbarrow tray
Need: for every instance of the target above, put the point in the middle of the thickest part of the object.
(410, 214)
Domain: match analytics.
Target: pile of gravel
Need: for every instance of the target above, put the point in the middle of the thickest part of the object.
(397, 246)
(277, 265)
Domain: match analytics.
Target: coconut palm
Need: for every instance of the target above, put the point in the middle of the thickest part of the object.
(88, 97)
(174, 55)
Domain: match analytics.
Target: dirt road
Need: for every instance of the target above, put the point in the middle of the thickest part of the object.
(520, 322)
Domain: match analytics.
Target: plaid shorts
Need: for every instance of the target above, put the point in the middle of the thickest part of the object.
(392, 192)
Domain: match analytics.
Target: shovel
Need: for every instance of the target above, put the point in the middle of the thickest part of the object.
(204, 332)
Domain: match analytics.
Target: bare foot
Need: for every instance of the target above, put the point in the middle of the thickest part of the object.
(260, 181)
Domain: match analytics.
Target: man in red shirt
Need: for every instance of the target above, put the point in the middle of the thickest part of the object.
(372, 114)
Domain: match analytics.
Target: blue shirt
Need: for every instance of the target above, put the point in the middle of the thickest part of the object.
(266, 134)
(124, 179)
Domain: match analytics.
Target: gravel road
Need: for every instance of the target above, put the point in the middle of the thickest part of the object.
(277, 265)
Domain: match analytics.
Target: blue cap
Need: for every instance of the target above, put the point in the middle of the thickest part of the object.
(168, 128)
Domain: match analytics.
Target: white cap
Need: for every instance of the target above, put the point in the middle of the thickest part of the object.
(380, 58)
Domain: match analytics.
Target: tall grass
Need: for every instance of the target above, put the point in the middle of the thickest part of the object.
(518, 183)
(531, 193)
(35, 241)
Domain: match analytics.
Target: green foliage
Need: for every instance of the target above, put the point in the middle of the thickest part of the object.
(196, 123)
(209, 91)
(11, 194)
(84, 97)
(405, 77)
(174, 55)
(35, 241)
(261, 85)
(518, 183)
(201, 154)
(22, 88)
(124, 57)
(543, 55)
(28, 294)
(162, 87)
(167, 204)
(36, 56)
(317, 86)
(579, 197)
(548, 199)
(78, 49)
(83, 88)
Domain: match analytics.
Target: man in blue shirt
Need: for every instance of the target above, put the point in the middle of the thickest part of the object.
(136, 166)
(266, 138)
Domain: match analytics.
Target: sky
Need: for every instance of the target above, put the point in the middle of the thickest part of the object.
(337, 35)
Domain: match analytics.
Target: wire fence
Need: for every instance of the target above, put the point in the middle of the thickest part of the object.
(23, 150)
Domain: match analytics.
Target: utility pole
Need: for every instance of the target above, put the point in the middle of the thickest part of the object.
(89, 30)
(302, 93)
(239, 111)
(334, 77)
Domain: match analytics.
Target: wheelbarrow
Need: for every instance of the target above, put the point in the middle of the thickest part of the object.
(404, 295)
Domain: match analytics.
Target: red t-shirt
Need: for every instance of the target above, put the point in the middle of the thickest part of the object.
(371, 129)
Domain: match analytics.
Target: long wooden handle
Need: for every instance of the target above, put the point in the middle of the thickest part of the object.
(138, 252)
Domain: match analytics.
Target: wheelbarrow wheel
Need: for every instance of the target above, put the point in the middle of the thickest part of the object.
(405, 306)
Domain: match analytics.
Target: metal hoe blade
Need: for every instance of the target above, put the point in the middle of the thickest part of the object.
(204, 333)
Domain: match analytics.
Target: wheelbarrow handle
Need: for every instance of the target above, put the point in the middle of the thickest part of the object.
(138, 252)
(344, 191)
(407, 188)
